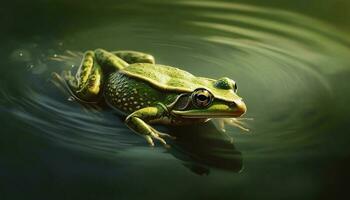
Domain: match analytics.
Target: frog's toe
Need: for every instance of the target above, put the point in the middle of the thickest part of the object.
(160, 137)
(58, 81)
(161, 134)
(155, 135)
(233, 122)
(68, 79)
(165, 135)
(149, 140)
(161, 140)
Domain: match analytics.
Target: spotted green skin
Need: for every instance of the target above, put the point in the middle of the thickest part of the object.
(146, 93)
(127, 94)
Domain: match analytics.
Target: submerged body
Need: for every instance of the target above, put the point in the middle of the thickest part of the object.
(131, 83)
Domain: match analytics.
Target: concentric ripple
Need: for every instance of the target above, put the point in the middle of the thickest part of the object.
(282, 61)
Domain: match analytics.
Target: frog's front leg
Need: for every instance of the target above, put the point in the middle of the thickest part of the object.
(138, 122)
(134, 57)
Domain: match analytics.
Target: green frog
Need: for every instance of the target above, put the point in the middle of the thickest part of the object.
(147, 93)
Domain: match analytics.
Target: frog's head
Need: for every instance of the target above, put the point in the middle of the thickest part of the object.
(220, 100)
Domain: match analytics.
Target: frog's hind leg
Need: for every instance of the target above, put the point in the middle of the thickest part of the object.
(108, 61)
(85, 85)
(134, 57)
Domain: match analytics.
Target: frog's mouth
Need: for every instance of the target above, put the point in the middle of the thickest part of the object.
(215, 111)
(196, 114)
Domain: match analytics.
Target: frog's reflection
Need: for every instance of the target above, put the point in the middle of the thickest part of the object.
(202, 146)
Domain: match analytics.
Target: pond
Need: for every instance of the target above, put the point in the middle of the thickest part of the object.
(291, 63)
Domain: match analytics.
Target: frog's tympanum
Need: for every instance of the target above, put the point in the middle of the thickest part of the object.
(147, 93)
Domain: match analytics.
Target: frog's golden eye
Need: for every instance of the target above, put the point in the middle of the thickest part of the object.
(202, 98)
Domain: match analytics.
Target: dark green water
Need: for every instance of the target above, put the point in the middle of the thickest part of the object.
(291, 61)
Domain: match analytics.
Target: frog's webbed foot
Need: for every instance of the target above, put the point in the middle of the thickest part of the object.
(60, 82)
(137, 121)
(70, 79)
(154, 134)
(233, 122)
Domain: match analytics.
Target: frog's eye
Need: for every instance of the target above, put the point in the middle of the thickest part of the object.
(202, 98)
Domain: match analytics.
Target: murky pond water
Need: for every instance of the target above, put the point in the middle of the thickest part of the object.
(292, 71)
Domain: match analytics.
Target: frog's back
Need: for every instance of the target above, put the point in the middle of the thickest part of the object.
(166, 77)
(141, 85)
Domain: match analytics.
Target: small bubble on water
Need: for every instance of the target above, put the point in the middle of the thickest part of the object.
(21, 54)
(73, 66)
(55, 55)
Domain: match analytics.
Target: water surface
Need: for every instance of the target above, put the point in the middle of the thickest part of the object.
(291, 63)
